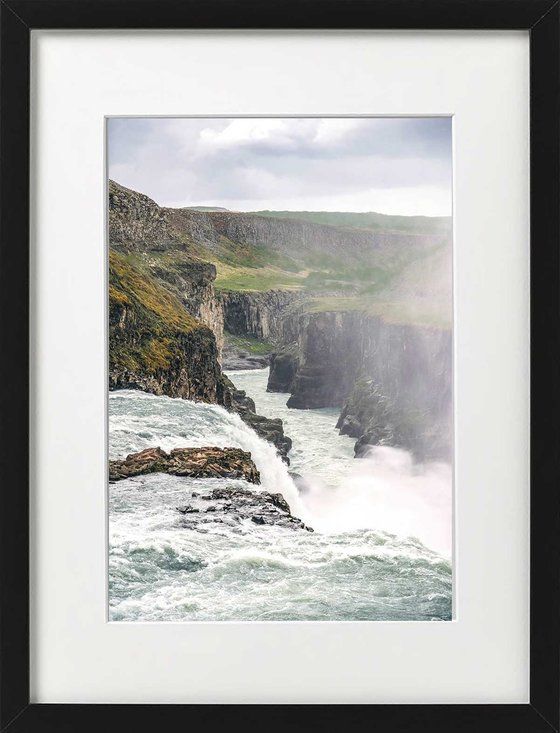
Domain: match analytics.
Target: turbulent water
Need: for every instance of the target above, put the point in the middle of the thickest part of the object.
(374, 521)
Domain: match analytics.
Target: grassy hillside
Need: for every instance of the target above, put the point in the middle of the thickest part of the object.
(393, 265)
(367, 220)
(251, 279)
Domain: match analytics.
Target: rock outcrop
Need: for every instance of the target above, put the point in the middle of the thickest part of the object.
(192, 281)
(331, 355)
(374, 419)
(393, 381)
(138, 226)
(231, 506)
(154, 344)
(271, 315)
(410, 363)
(283, 370)
(367, 409)
(270, 429)
(234, 358)
(137, 223)
(229, 463)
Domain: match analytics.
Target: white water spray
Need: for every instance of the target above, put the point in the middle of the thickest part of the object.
(173, 423)
(159, 570)
(387, 491)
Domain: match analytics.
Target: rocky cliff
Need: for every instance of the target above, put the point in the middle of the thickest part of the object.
(154, 344)
(283, 369)
(270, 315)
(141, 229)
(165, 321)
(391, 376)
(192, 280)
(137, 223)
(298, 239)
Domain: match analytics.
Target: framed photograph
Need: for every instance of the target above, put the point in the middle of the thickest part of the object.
(280, 341)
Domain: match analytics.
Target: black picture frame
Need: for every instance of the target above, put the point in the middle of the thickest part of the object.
(541, 19)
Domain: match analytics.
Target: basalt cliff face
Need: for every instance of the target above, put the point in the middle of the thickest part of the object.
(138, 224)
(193, 281)
(288, 237)
(272, 315)
(393, 381)
(154, 344)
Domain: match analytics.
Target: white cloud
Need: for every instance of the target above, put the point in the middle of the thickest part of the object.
(331, 130)
(241, 131)
(354, 164)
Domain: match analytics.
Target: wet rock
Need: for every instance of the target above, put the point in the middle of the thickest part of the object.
(270, 429)
(374, 419)
(187, 509)
(283, 369)
(367, 409)
(241, 360)
(230, 463)
(232, 505)
(234, 359)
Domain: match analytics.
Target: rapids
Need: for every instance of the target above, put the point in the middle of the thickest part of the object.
(382, 542)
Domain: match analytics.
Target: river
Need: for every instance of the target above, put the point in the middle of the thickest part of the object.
(380, 550)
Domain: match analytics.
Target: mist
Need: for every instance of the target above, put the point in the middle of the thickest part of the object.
(387, 490)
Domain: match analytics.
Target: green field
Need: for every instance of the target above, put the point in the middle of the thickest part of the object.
(250, 344)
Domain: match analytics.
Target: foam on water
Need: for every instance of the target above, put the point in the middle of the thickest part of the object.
(360, 564)
(385, 490)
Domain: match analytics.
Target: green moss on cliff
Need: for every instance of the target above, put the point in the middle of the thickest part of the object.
(128, 283)
(147, 323)
(118, 297)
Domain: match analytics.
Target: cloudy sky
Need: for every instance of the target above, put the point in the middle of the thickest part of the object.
(389, 165)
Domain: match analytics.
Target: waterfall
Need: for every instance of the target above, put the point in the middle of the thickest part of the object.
(174, 423)
(359, 564)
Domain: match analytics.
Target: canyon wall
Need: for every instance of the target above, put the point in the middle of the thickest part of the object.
(137, 223)
(271, 316)
(165, 322)
(193, 281)
(303, 240)
(154, 344)
(398, 375)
